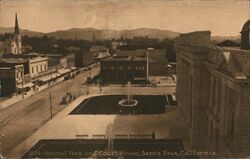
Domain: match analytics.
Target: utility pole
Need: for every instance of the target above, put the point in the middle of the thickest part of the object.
(147, 67)
(50, 81)
(50, 98)
(22, 83)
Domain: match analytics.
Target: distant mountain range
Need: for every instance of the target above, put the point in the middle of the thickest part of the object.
(88, 33)
(4, 30)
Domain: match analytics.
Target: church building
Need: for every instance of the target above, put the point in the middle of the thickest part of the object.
(13, 43)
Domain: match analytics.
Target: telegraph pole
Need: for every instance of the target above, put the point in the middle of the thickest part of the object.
(147, 67)
(50, 98)
(22, 83)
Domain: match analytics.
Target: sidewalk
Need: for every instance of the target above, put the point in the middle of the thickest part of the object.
(12, 100)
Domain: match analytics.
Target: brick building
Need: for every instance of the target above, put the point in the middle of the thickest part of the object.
(131, 65)
(123, 69)
(84, 57)
(14, 76)
(213, 90)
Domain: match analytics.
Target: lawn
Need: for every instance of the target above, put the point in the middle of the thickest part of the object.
(108, 104)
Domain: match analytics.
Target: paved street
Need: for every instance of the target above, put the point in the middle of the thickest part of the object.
(22, 119)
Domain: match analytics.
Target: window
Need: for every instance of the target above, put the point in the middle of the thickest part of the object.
(143, 68)
(104, 67)
(138, 68)
(36, 68)
(120, 67)
(129, 67)
(32, 69)
(45, 68)
(41, 67)
(249, 38)
(230, 112)
(112, 68)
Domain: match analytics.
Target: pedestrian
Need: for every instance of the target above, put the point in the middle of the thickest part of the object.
(153, 135)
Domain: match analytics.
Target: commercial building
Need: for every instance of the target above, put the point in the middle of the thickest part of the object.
(131, 65)
(84, 57)
(38, 69)
(213, 90)
(14, 76)
(123, 69)
(37, 66)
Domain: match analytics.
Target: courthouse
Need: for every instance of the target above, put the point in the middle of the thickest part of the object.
(213, 90)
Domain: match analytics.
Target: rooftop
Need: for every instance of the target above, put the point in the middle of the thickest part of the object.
(13, 60)
(246, 26)
(135, 53)
(130, 58)
(235, 61)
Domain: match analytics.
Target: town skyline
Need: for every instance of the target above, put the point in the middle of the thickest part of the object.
(178, 16)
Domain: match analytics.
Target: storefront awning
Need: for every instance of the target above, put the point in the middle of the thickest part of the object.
(45, 78)
(73, 68)
(27, 85)
(64, 71)
(49, 77)
(55, 75)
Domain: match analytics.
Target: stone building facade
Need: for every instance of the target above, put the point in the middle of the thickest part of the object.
(37, 66)
(213, 90)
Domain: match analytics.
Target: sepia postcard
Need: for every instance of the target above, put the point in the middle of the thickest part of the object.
(125, 79)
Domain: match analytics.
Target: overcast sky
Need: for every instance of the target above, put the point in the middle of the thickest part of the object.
(222, 17)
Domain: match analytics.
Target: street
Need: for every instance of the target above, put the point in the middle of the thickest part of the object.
(23, 118)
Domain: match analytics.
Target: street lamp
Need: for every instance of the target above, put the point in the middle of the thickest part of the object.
(148, 63)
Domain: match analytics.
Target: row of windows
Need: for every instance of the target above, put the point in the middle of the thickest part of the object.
(121, 68)
(19, 75)
(42, 68)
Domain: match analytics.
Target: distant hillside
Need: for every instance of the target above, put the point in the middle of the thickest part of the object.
(218, 39)
(87, 33)
(4, 30)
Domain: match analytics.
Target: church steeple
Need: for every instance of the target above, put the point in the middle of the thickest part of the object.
(16, 26)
